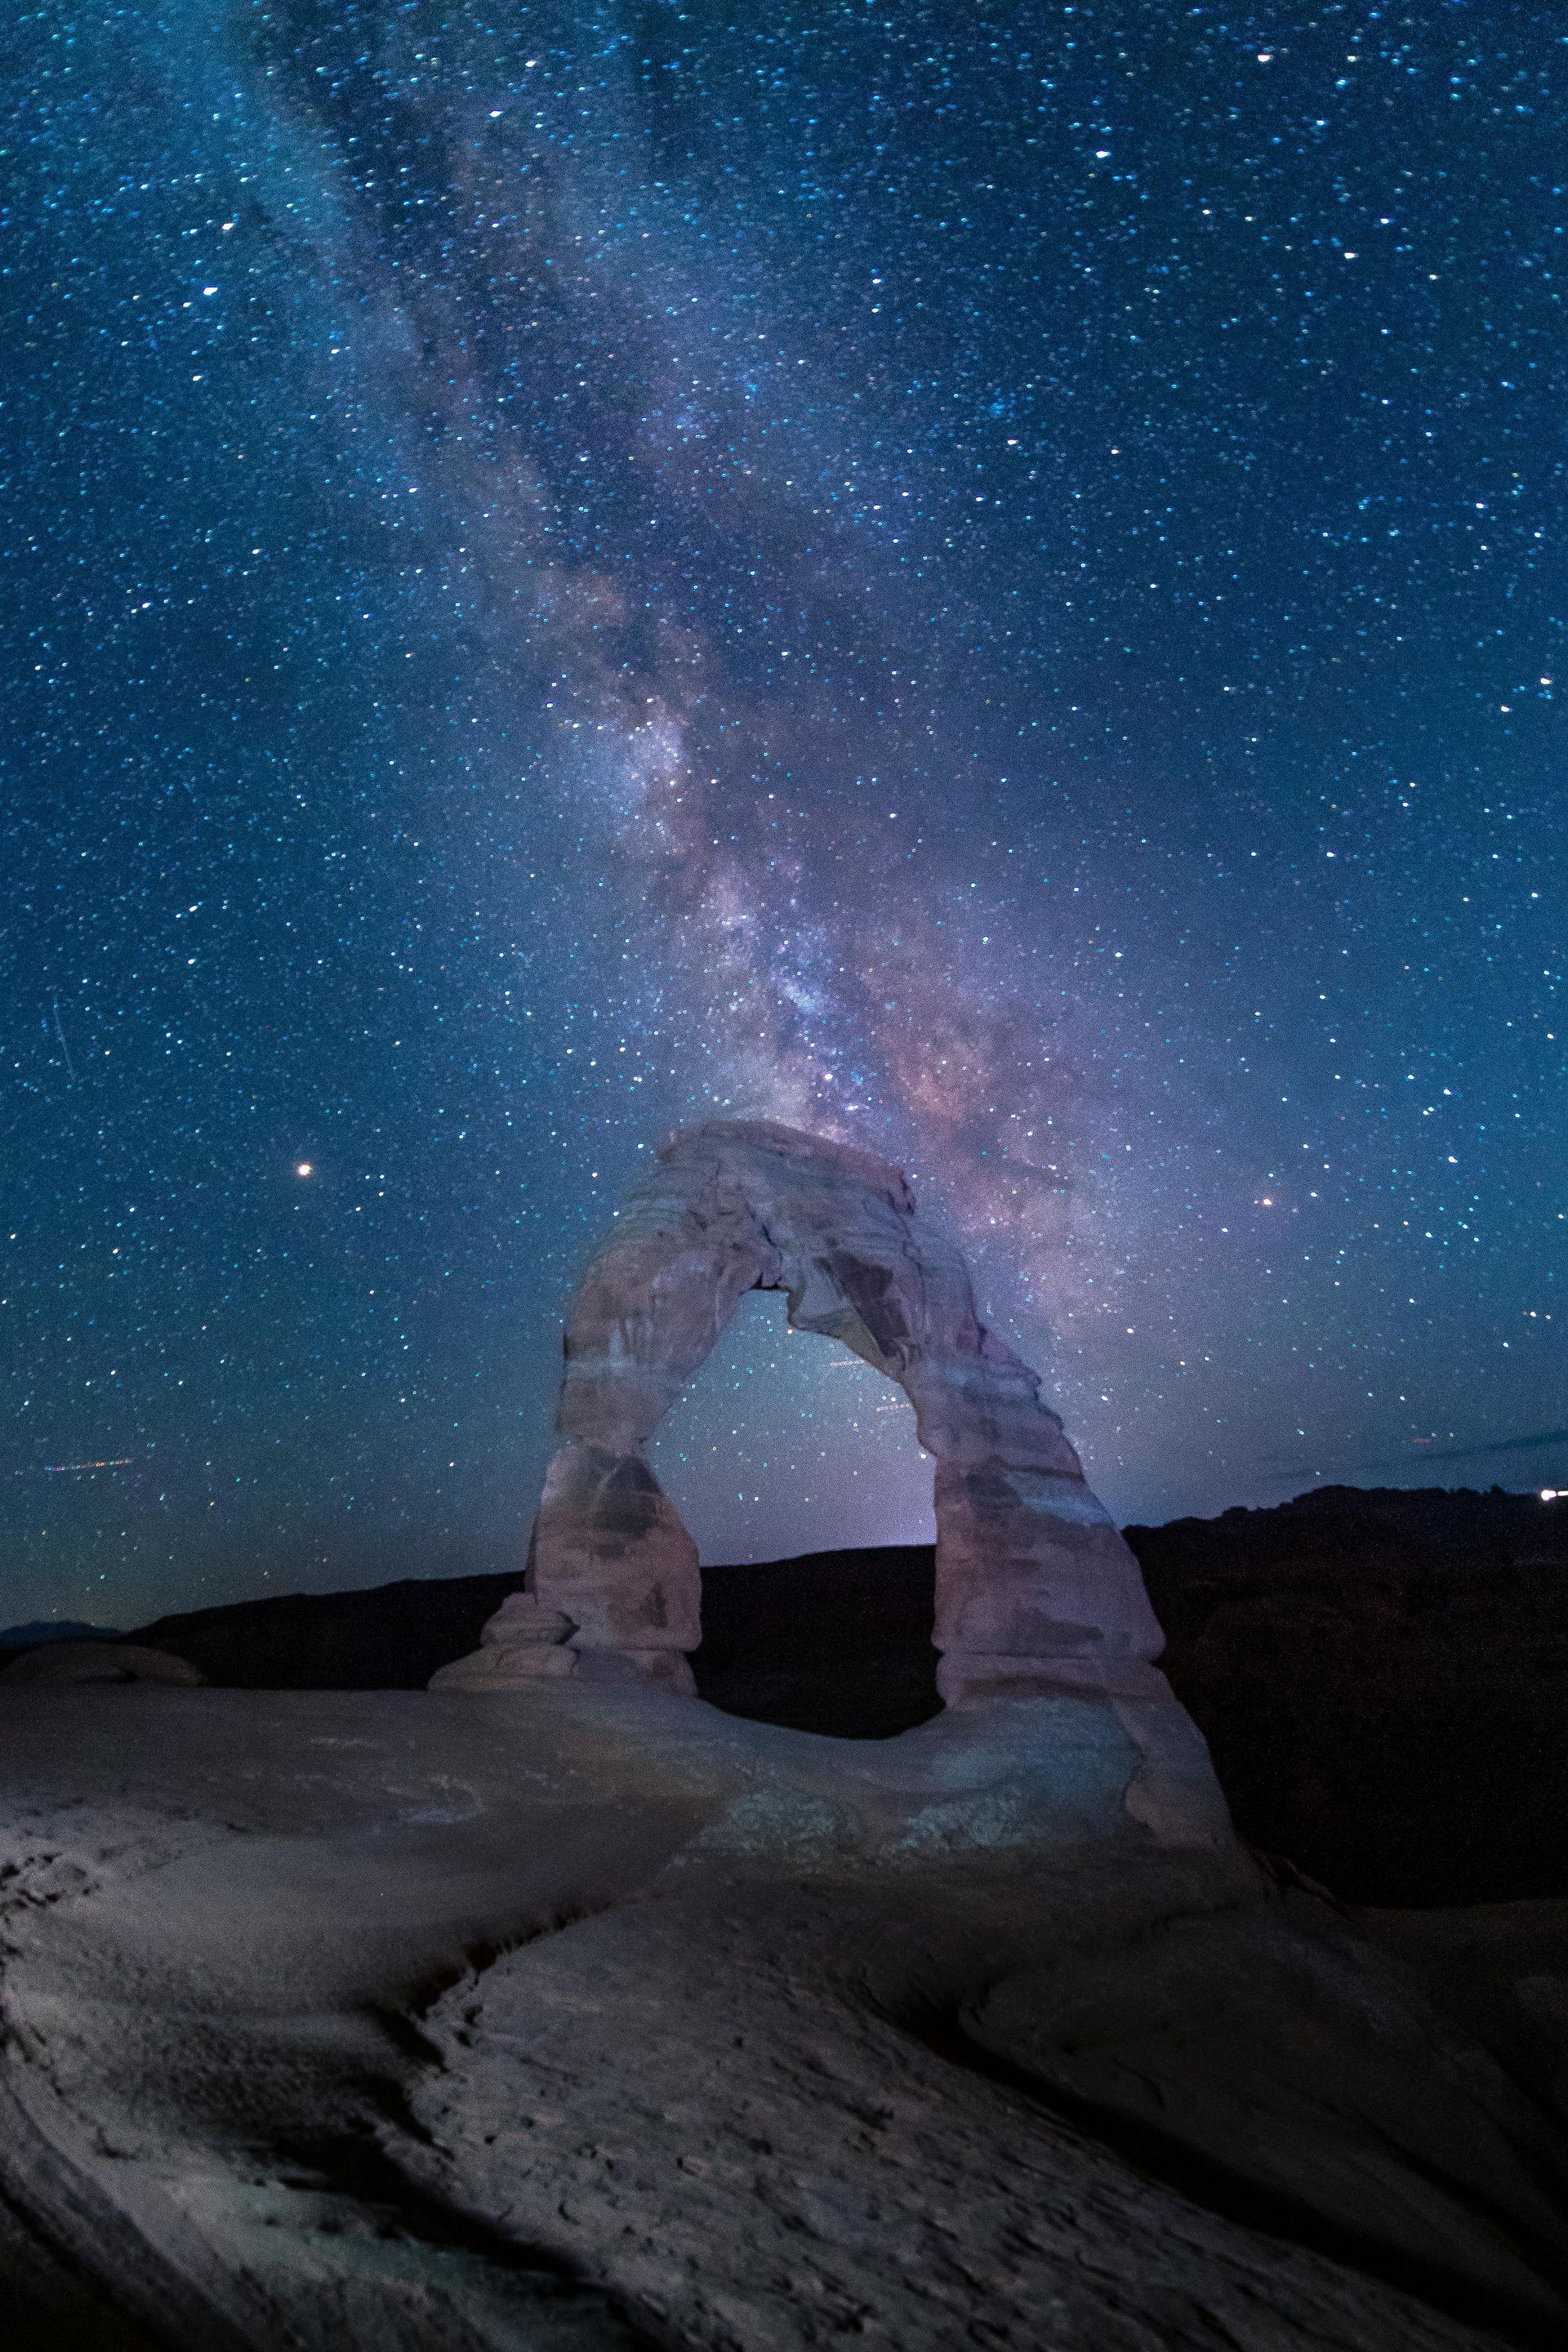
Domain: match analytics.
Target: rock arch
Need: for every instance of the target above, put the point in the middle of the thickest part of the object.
(1036, 1591)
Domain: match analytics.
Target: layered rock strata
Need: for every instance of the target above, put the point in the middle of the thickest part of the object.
(1036, 1594)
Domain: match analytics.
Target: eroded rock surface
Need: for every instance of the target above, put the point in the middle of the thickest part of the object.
(591, 2019)
(1036, 1591)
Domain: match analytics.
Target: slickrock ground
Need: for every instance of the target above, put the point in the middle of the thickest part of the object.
(557, 2019)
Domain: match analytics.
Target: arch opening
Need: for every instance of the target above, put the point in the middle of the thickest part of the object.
(798, 1472)
(784, 1443)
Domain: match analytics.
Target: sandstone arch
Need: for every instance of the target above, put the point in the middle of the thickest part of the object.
(1036, 1591)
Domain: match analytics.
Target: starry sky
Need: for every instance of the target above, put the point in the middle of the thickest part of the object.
(988, 581)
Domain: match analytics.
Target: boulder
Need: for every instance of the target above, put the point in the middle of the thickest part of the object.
(51, 1665)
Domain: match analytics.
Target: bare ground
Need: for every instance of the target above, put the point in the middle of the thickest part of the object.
(594, 2019)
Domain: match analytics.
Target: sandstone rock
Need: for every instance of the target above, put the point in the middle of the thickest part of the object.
(53, 1664)
(1032, 1577)
(495, 1668)
(521, 1644)
(380, 2021)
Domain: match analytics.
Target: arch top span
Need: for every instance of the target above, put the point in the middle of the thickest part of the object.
(1036, 1591)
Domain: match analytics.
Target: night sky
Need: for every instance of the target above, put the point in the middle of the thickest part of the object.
(988, 580)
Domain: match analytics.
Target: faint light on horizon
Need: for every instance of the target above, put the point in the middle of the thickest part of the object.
(1554, 1494)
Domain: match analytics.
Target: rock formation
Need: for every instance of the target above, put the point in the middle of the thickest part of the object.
(55, 1664)
(1379, 1676)
(1036, 1594)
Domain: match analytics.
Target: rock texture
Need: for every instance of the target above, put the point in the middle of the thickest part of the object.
(55, 1664)
(1036, 1591)
(593, 2020)
(1383, 1679)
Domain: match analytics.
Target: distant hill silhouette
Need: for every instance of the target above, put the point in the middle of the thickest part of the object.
(39, 1630)
(1382, 1675)
(836, 1643)
(833, 1642)
(387, 1637)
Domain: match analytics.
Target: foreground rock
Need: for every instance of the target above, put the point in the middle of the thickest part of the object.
(599, 2019)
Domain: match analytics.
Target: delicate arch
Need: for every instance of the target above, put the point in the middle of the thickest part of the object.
(1035, 1588)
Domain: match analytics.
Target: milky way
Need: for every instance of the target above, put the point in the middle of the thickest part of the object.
(989, 583)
